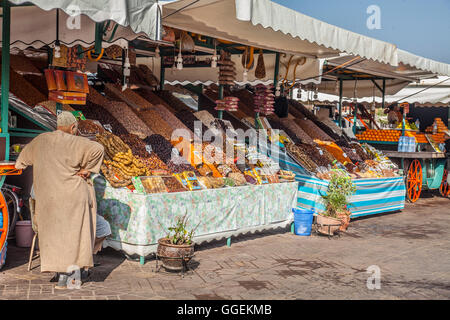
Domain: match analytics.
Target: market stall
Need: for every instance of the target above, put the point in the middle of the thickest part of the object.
(418, 147)
(167, 156)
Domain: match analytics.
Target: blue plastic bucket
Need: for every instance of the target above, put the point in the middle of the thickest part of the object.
(302, 221)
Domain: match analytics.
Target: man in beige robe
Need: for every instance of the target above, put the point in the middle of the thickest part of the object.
(65, 198)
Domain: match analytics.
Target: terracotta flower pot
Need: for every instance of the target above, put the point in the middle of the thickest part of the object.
(327, 225)
(171, 255)
(344, 217)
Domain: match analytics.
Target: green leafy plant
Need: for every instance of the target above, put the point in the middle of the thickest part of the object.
(339, 190)
(179, 234)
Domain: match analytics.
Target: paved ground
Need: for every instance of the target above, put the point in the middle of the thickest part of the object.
(411, 249)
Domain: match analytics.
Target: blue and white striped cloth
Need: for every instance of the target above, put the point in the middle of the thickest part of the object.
(372, 196)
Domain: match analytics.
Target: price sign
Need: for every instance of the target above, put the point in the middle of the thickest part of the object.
(148, 148)
(175, 152)
(108, 127)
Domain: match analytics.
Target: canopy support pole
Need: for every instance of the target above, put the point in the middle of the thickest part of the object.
(162, 74)
(354, 118)
(6, 23)
(220, 113)
(98, 37)
(340, 103)
(384, 92)
(6, 35)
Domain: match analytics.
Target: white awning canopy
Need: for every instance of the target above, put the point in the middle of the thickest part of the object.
(431, 92)
(267, 25)
(35, 26)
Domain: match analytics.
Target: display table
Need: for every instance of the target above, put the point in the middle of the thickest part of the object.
(138, 220)
(372, 196)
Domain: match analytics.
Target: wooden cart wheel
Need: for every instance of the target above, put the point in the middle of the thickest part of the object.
(414, 181)
(445, 187)
(5, 226)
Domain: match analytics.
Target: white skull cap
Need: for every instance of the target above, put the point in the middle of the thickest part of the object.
(65, 119)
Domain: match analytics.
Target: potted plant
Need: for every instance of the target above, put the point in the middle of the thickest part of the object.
(177, 248)
(339, 191)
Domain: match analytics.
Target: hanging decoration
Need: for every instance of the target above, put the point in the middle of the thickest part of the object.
(264, 99)
(260, 71)
(214, 57)
(227, 70)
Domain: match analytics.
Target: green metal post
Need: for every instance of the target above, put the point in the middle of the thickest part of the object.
(220, 115)
(229, 242)
(277, 69)
(292, 227)
(403, 124)
(355, 119)
(6, 23)
(98, 37)
(141, 260)
(162, 74)
(59, 108)
(340, 103)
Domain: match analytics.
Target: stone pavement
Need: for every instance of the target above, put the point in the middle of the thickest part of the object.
(411, 248)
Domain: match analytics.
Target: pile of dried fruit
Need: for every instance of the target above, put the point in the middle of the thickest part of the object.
(191, 121)
(314, 154)
(123, 113)
(97, 112)
(173, 101)
(119, 165)
(301, 157)
(181, 167)
(360, 151)
(88, 127)
(173, 185)
(294, 129)
(152, 119)
(311, 116)
(352, 154)
(24, 90)
(154, 163)
(312, 130)
(161, 146)
(148, 75)
(137, 145)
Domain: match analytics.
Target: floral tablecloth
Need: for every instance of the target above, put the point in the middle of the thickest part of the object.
(138, 220)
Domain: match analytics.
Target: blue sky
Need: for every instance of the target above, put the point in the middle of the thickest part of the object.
(421, 27)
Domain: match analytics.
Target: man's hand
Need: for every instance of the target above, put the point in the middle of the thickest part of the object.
(83, 173)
